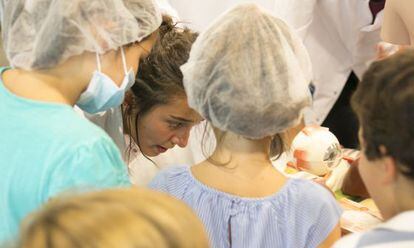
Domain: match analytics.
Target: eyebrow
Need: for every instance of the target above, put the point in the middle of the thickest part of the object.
(181, 119)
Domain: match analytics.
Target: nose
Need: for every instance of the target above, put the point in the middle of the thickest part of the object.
(181, 138)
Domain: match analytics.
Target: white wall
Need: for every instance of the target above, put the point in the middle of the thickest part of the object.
(200, 13)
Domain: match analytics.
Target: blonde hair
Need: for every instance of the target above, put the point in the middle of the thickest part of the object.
(119, 218)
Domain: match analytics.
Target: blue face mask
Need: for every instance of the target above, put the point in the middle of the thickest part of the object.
(102, 92)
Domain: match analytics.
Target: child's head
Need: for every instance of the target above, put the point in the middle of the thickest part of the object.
(158, 116)
(384, 103)
(248, 74)
(39, 35)
(113, 218)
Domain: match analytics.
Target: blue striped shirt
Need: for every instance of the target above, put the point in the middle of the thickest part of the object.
(300, 214)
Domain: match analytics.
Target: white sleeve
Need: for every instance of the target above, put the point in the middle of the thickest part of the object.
(296, 13)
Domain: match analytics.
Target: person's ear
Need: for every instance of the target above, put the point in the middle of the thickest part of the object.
(389, 167)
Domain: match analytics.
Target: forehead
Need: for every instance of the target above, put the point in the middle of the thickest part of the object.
(177, 107)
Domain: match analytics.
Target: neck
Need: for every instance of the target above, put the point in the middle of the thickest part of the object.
(241, 167)
(404, 194)
(61, 84)
(406, 205)
(233, 150)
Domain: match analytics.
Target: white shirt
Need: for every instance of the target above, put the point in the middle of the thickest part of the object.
(397, 232)
(339, 37)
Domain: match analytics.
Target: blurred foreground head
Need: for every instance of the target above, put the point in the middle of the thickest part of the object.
(120, 218)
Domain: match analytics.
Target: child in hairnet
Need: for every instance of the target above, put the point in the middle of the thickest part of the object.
(248, 76)
(64, 53)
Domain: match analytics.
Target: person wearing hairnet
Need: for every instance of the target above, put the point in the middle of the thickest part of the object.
(62, 53)
(252, 87)
(161, 77)
(111, 119)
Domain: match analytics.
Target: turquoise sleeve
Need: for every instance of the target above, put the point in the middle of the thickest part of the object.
(93, 166)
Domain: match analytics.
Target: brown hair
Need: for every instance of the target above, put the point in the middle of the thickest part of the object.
(384, 103)
(114, 218)
(159, 78)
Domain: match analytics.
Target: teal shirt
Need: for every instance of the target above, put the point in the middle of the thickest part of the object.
(47, 148)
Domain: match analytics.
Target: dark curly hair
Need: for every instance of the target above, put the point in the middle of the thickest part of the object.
(159, 79)
(384, 103)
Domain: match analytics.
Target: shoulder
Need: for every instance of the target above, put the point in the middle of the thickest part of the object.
(88, 144)
(172, 177)
(88, 159)
(310, 198)
(87, 141)
(314, 210)
(62, 127)
(320, 200)
(309, 191)
(307, 198)
(77, 134)
(86, 168)
(79, 127)
(174, 171)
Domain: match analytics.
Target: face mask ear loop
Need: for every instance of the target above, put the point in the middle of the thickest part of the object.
(98, 61)
(124, 60)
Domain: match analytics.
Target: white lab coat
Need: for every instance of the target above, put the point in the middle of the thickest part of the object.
(339, 37)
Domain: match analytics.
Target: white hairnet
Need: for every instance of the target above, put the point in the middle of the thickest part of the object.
(43, 33)
(248, 74)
